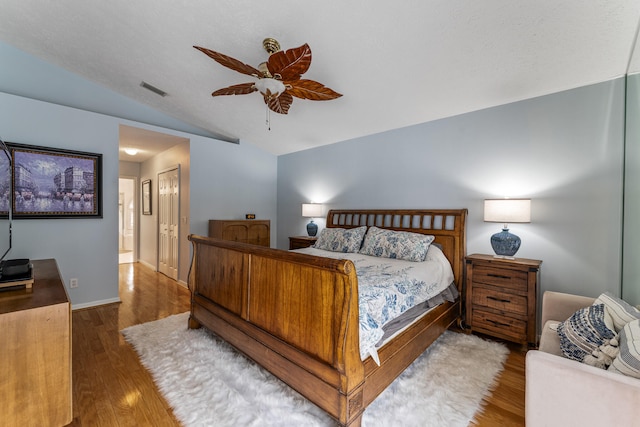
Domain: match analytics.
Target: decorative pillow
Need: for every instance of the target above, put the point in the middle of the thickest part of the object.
(585, 335)
(341, 239)
(620, 311)
(628, 360)
(396, 244)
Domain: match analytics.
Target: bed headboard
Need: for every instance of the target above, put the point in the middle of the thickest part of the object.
(447, 225)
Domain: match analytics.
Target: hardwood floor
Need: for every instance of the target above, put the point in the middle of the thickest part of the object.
(111, 388)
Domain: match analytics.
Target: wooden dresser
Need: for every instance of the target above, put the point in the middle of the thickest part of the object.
(501, 297)
(35, 351)
(254, 231)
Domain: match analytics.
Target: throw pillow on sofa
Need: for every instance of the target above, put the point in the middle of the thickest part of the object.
(620, 311)
(628, 360)
(589, 336)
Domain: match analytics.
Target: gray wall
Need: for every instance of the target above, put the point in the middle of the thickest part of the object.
(631, 264)
(85, 248)
(564, 151)
(231, 179)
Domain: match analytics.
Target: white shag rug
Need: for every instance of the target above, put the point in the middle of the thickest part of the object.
(208, 383)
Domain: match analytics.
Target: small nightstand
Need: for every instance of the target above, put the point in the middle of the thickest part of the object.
(501, 297)
(299, 242)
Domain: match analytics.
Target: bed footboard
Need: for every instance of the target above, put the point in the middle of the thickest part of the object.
(294, 314)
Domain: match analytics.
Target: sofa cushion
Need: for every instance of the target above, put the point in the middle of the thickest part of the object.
(628, 360)
(585, 332)
(549, 338)
(620, 311)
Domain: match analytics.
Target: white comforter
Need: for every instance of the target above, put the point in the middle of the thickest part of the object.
(389, 287)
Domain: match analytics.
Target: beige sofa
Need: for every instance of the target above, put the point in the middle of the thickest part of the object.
(563, 392)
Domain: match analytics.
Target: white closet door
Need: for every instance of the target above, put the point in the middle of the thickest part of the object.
(168, 222)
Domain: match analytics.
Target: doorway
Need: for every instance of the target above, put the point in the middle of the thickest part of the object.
(127, 235)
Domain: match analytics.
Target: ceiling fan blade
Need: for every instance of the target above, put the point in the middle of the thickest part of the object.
(241, 89)
(230, 62)
(310, 89)
(290, 64)
(279, 104)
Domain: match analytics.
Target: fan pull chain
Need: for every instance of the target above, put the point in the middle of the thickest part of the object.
(268, 119)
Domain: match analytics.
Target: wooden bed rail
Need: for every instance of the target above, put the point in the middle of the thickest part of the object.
(309, 302)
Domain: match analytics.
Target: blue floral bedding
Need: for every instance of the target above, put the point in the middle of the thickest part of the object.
(389, 287)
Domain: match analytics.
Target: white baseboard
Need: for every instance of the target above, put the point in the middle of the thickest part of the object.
(146, 264)
(94, 303)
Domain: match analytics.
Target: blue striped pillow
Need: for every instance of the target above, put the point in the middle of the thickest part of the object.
(585, 331)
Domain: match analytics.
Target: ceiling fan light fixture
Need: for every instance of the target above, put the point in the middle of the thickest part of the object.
(279, 78)
(270, 87)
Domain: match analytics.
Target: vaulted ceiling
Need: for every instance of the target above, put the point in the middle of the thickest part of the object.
(396, 63)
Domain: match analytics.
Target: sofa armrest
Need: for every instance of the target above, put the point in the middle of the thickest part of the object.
(563, 392)
(560, 306)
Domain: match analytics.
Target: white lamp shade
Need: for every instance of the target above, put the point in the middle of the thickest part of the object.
(507, 210)
(312, 210)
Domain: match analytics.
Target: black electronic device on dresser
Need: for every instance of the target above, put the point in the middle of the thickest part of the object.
(13, 272)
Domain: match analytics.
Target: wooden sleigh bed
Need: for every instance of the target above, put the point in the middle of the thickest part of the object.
(297, 314)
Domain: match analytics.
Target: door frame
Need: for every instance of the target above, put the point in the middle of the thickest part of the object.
(136, 213)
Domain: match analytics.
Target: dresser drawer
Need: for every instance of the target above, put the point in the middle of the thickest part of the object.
(503, 301)
(499, 324)
(503, 277)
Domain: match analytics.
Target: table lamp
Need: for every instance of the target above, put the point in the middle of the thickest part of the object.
(312, 210)
(506, 211)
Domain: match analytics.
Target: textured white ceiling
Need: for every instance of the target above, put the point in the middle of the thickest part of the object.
(396, 63)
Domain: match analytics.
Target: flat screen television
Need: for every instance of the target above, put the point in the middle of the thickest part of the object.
(5, 200)
(10, 269)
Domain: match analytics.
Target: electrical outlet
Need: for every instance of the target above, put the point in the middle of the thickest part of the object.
(73, 283)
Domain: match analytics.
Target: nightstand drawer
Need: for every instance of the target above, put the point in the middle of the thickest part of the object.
(503, 301)
(506, 278)
(499, 324)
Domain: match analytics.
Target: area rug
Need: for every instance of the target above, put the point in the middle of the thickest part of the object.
(208, 383)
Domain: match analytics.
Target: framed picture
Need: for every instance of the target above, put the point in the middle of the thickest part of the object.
(55, 183)
(146, 197)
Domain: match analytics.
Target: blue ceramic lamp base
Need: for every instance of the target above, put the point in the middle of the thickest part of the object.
(505, 244)
(312, 228)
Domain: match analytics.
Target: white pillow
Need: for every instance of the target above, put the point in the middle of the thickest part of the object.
(627, 362)
(620, 311)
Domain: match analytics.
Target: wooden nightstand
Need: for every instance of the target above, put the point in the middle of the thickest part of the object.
(299, 242)
(501, 297)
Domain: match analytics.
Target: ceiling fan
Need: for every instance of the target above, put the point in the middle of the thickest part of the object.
(279, 78)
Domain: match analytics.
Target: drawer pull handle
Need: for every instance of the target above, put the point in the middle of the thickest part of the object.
(498, 323)
(499, 276)
(498, 299)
